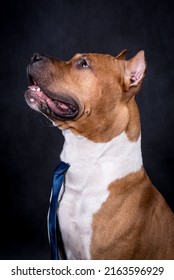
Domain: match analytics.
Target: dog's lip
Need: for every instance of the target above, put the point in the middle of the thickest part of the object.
(57, 105)
(54, 105)
(29, 77)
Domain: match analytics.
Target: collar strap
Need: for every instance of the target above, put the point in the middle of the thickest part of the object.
(58, 179)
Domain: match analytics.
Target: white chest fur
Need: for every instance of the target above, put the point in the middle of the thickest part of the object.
(93, 166)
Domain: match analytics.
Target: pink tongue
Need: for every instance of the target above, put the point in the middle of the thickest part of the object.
(63, 106)
(54, 104)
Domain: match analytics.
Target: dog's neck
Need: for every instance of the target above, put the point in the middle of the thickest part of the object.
(120, 153)
(124, 149)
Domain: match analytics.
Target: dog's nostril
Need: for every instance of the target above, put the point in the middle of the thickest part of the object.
(36, 57)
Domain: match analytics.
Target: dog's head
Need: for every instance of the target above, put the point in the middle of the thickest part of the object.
(88, 93)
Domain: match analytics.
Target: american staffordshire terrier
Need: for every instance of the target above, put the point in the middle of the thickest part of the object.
(109, 208)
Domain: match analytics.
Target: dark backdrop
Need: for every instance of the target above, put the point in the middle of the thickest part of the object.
(30, 146)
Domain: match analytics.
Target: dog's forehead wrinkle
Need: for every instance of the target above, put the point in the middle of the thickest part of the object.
(94, 57)
(76, 56)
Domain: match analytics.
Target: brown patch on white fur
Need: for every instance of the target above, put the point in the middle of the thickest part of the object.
(134, 222)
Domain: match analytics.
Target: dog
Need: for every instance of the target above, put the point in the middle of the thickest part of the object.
(109, 208)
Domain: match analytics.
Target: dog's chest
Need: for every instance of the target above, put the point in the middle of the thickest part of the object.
(83, 196)
(92, 168)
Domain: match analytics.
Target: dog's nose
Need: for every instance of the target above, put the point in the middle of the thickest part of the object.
(36, 57)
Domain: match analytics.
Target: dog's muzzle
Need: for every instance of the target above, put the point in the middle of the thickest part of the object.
(54, 105)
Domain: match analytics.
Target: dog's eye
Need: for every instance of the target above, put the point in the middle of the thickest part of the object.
(82, 63)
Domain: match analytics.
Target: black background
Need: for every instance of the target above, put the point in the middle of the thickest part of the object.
(30, 146)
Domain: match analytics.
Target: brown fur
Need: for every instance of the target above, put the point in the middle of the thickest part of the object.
(134, 222)
(110, 110)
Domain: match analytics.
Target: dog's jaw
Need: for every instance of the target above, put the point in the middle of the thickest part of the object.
(51, 106)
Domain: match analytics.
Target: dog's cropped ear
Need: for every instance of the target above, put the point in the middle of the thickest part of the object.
(134, 71)
(122, 55)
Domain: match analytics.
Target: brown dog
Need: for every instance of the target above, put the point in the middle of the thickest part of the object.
(109, 208)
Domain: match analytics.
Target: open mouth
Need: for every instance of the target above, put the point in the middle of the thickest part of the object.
(53, 105)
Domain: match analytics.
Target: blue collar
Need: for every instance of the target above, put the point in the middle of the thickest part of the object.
(53, 224)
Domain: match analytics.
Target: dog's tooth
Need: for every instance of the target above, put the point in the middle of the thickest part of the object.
(32, 100)
(38, 89)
